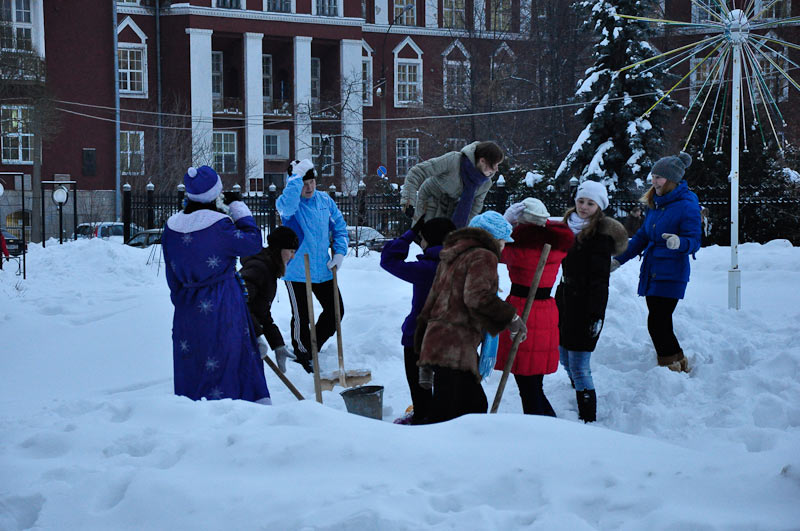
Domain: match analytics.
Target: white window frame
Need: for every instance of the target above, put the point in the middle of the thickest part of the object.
(364, 156)
(259, 181)
(366, 81)
(22, 133)
(217, 97)
(266, 82)
(780, 9)
(328, 161)
(406, 155)
(222, 139)
(504, 22)
(699, 14)
(129, 48)
(291, 6)
(242, 4)
(327, 11)
(463, 65)
(454, 14)
(407, 18)
(775, 81)
(316, 77)
(406, 63)
(282, 144)
(129, 2)
(125, 156)
(15, 25)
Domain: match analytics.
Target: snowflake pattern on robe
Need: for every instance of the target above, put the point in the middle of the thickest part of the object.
(212, 359)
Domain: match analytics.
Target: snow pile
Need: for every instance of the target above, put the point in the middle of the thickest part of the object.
(91, 436)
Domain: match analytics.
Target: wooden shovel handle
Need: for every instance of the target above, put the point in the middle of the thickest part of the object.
(512, 354)
(338, 313)
(313, 327)
(283, 378)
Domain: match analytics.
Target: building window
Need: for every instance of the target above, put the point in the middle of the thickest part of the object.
(224, 147)
(327, 8)
(15, 25)
(326, 167)
(776, 83)
(409, 82)
(407, 155)
(707, 70)
(779, 9)
(216, 80)
(455, 144)
(454, 14)
(366, 81)
(500, 15)
(255, 185)
(131, 152)
(276, 144)
(129, 2)
(456, 76)
(279, 6)
(270, 145)
(230, 4)
(132, 69)
(315, 77)
(709, 11)
(266, 81)
(16, 138)
(405, 12)
(364, 153)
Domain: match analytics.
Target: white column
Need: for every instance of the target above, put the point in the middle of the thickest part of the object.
(352, 117)
(253, 106)
(383, 12)
(302, 97)
(37, 20)
(200, 99)
(432, 13)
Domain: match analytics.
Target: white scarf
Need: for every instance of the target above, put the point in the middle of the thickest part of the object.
(576, 223)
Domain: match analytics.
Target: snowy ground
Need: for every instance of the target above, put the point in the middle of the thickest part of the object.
(91, 436)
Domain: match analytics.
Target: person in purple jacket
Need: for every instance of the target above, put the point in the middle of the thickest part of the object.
(420, 274)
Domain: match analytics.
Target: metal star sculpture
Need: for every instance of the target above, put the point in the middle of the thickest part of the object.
(730, 39)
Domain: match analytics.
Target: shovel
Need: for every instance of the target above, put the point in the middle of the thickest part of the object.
(313, 327)
(512, 354)
(344, 378)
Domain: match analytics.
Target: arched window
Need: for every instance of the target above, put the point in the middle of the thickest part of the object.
(456, 70)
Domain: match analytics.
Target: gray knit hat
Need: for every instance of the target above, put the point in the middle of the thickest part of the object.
(672, 168)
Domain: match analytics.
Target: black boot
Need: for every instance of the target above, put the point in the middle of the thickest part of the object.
(587, 405)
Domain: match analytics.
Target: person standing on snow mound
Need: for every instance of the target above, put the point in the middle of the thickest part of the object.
(314, 217)
(538, 354)
(420, 274)
(582, 295)
(214, 348)
(463, 302)
(453, 185)
(670, 233)
(260, 273)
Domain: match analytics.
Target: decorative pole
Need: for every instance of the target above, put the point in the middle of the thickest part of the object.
(737, 30)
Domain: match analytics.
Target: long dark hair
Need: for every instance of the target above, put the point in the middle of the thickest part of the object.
(590, 229)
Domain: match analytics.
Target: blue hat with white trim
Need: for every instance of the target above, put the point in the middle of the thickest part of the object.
(203, 185)
(494, 223)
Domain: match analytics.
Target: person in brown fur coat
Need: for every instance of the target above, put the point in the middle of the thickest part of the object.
(463, 302)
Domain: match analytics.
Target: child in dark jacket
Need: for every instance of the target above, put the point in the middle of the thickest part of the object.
(420, 274)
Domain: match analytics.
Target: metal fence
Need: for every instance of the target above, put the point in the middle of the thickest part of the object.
(765, 212)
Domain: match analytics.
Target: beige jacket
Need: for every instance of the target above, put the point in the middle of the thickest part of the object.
(434, 186)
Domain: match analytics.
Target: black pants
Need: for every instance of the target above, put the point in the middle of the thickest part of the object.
(659, 323)
(326, 323)
(534, 402)
(421, 398)
(456, 393)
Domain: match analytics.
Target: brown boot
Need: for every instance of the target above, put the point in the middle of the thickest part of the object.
(676, 362)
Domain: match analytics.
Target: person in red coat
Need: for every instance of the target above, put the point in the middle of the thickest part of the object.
(538, 354)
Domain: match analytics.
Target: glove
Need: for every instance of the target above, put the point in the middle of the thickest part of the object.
(426, 378)
(299, 168)
(409, 211)
(614, 265)
(239, 210)
(417, 228)
(596, 327)
(336, 261)
(673, 241)
(263, 347)
(231, 196)
(281, 355)
(513, 212)
(518, 327)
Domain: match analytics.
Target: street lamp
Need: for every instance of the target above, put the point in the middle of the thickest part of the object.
(380, 91)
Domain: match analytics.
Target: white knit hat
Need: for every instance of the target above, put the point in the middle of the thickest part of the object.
(595, 191)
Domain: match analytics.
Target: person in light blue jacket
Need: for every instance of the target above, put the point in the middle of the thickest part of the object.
(316, 220)
(669, 234)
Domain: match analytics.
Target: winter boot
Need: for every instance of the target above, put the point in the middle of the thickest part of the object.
(587, 405)
(676, 362)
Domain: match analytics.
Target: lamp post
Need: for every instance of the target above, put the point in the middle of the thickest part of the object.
(380, 90)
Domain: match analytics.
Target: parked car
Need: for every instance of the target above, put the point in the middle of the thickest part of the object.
(104, 229)
(146, 238)
(13, 243)
(367, 237)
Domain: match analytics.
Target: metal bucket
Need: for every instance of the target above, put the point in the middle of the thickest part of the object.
(366, 401)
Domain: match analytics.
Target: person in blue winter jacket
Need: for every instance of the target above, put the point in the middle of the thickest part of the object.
(214, 348)
(420, 274)
(316, 220)
(669, 234)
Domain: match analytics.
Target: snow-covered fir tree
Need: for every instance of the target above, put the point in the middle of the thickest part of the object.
(618, 144)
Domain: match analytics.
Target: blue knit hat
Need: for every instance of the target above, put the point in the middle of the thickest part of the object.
(203, 185)
(494, 223)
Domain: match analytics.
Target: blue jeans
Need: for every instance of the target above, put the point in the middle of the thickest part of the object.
(576, 363)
